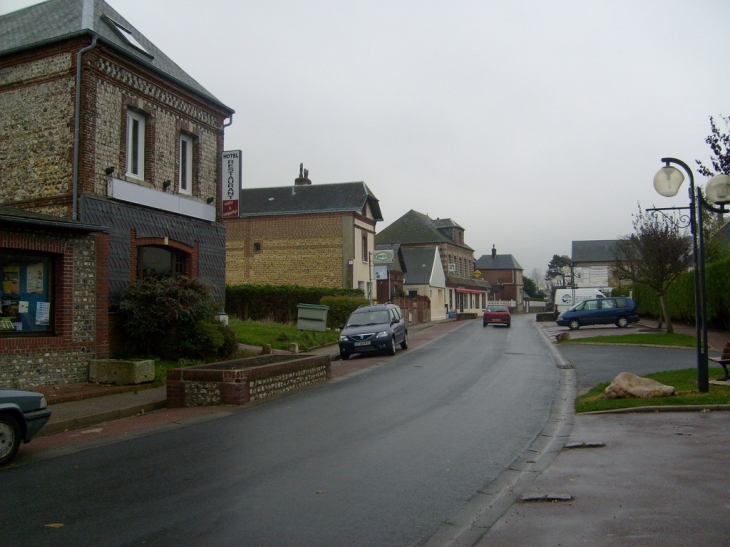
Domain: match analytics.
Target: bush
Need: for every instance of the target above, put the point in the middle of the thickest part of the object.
(173, 318)
(681, 299)
(276, 303)
(340, 308)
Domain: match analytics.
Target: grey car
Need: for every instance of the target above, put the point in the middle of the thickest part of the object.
(22, 415)
(380, 327)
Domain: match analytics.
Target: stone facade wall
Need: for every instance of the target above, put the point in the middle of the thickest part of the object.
(36, 132)
(304, 250)
(168, 114)
(61, 356)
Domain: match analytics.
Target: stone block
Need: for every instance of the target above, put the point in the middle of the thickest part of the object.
(121, 372)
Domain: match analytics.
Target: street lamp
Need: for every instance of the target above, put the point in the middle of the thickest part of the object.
(667, 182)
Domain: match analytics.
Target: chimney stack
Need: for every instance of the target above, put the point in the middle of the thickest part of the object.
(303, 178)
(494, 252)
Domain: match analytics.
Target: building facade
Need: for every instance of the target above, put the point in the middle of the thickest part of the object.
(311, 235)
(99, 127)
(505, 275)
(464, 292)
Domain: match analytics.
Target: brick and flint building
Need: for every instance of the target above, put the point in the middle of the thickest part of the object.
(110, 170)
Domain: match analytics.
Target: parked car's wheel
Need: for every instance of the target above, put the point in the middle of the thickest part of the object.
(9, 438)
(404, 343)
(344, 355)
(509, 325)
(622, 322)
(391, 349)
(574, 324)
(484, 324)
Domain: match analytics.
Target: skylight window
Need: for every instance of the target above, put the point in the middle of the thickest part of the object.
(126, 34)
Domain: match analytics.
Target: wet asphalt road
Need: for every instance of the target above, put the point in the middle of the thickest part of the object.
(380, 458)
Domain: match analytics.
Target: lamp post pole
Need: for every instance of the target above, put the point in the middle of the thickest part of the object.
(667, 182)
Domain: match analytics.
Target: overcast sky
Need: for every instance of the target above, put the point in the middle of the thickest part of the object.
(529, 123)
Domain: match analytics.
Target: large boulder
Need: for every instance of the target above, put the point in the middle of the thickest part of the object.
(631, 386)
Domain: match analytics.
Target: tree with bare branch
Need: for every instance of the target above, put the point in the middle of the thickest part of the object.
(654, 255)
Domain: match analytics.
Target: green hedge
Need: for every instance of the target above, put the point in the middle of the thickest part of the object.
(278, 303)
(340, 308)
(681, 299)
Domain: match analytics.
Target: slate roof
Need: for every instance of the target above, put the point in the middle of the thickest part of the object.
(309, 198)
(420, 264)
(599, 250)
(468, 283)
(58, 20)
(415, 227)
(21, 217)
(445, 223)
(499, 262)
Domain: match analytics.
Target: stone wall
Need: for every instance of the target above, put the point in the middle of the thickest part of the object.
(304, 250)
(243, 380)
(36, 132)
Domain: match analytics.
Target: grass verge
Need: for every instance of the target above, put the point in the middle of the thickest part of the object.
(685, 385)
(278, 335)
(644, 339)
(255, 333)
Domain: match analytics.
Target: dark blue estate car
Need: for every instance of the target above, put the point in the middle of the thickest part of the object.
(619, 311)
(380, 327)
(22, 414)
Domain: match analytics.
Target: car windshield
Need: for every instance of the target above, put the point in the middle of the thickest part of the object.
(497, 308)
(368, 318)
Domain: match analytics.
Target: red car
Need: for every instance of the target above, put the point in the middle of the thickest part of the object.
(496, 314)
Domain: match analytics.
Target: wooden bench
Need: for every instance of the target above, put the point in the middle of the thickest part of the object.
(724, 360)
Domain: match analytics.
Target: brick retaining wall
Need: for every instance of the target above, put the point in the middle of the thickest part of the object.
(240, 381)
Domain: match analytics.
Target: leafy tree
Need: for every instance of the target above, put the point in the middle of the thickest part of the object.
(716, 247)
(530, 287)
(720, 145)
(556, 268)
(654, 255)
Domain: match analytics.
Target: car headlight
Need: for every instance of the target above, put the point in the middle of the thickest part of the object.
(43, 403)
(343, 338)
(382, 334)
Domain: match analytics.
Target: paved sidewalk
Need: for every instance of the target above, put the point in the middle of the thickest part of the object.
(657, 482)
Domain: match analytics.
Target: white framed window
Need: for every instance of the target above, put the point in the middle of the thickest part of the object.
(135, 144)
(186, 164)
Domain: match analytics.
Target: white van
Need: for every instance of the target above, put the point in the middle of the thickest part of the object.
(566, 298)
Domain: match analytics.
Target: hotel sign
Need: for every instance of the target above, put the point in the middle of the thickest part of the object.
(231, 187)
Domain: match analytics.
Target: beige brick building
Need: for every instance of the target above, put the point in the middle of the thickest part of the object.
(313, 235)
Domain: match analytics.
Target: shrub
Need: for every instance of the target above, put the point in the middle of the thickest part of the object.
(173, 318)
(340, 308)
(276, 302)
